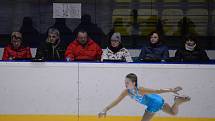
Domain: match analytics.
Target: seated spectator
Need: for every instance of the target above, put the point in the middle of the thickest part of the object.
(52, 49)
(62, 27)
(154, 49)
(83, 49)
(115, 50)
(191, 51)
(93, 30)
(16, 49)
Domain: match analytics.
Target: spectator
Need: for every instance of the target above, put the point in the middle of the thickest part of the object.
(16, 49)
(65, 31)
(30, 35)
(52, 48)
(92, 29)
(191, 51)
(83, 48)
(115, 50)
(154, 49)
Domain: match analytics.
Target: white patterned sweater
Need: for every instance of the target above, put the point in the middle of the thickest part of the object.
(122, 54)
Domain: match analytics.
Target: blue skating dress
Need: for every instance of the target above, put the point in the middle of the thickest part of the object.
(154, 102)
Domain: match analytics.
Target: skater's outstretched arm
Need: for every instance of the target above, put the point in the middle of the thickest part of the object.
(148, 91)
(114, 103)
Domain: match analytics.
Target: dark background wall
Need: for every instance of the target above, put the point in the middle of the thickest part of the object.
(117, 14)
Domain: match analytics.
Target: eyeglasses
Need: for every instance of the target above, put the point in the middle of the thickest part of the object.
(52, 36)
(16, 41)
(16, 37)
(115, 41)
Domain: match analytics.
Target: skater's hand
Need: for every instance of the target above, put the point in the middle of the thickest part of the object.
(102, 114)
(176, 89)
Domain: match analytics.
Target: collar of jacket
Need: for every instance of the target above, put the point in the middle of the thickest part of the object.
(149, 45)
(19, 48)
(54, 45)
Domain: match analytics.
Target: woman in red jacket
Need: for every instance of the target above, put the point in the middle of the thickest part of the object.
(16, 49)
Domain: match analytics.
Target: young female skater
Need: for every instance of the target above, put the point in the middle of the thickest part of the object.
(148, 97)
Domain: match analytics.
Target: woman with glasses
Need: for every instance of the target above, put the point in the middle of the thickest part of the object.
(16, 49)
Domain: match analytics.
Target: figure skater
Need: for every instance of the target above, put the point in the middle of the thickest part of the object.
(149, 98)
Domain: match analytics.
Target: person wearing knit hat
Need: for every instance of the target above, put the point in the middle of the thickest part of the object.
(115, 50)
(116, 36)
(16, 49)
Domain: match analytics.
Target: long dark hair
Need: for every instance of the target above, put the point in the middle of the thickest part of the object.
(160, 36)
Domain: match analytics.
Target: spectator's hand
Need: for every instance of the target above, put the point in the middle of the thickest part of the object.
(68, 59)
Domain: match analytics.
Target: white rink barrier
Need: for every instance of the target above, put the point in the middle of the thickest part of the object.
(86, 88)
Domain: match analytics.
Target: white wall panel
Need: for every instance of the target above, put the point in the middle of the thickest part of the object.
(86, 88)
(38, 88)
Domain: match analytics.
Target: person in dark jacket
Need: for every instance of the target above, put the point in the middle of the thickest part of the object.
(191, 51)
(52, 49)
(62, 27)
(154, 49)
